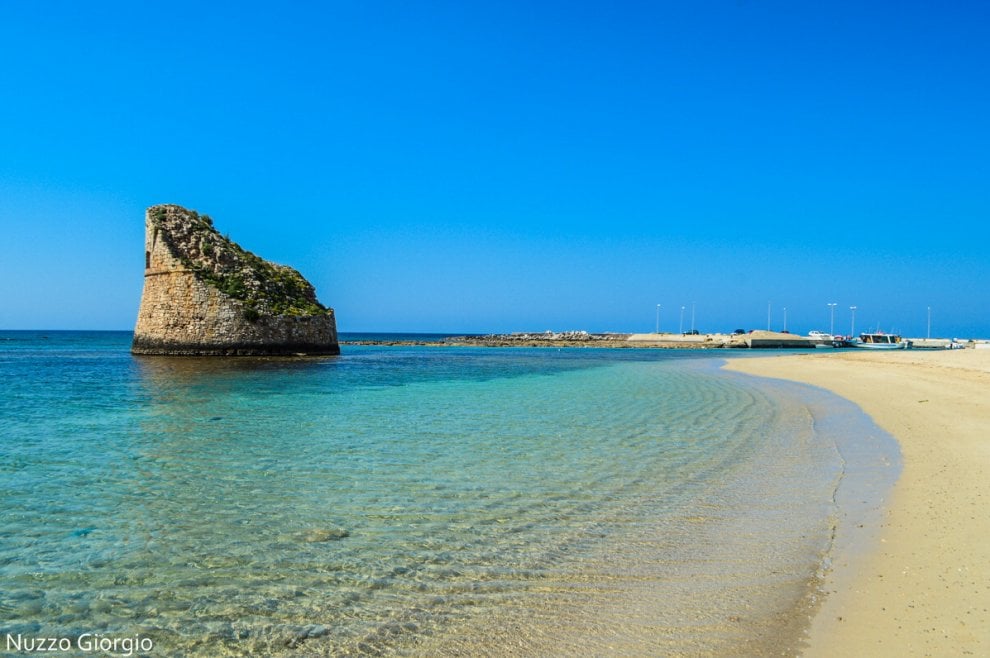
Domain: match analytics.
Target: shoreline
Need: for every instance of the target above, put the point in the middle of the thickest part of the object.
(619, 604)
(921, 586)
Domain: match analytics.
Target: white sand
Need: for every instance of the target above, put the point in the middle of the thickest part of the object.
(924, 589)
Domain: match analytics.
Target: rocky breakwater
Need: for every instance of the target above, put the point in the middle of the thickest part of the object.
(205, 295)
(544, 339)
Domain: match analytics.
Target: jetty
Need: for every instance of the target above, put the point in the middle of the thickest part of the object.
(750, 340)
(690, 341)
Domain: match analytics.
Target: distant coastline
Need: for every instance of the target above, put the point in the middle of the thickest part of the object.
(695, 341)
(544, 339)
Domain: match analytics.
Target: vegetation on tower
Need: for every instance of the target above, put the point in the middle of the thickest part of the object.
(264, 288)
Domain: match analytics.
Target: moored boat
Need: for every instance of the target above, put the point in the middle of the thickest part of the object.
(821, 339)
(881, 341)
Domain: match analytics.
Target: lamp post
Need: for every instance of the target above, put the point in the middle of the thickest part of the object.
(768, 316)
(681, 329)
(658, 318)
(852, 328)
(785, 319)
(692, 317)
(831, 325)
(929, 322)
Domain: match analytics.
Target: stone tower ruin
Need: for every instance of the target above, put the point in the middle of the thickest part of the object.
(204, 295)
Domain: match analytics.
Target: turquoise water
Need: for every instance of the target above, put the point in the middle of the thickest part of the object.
(413, 501)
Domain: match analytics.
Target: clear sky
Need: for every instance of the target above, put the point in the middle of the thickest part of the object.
(504, 166)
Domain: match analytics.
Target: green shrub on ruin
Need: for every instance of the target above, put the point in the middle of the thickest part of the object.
(264, 287)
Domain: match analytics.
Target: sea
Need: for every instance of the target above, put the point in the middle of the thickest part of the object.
(419, 500)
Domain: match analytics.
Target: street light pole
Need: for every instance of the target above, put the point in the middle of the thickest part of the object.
(852, 328)
(768, 316)
(785, 319)
(831, 326)
(681, 329)
(692, 317)
(929, 321)
(658, 318)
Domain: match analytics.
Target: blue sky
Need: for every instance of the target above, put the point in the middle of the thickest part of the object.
(452, 166)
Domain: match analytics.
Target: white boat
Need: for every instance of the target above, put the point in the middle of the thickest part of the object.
(881, 341)
(821, 339)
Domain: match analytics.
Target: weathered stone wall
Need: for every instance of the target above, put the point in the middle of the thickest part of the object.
(182, 314)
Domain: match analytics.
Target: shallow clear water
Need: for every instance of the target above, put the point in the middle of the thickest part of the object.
(411, 500)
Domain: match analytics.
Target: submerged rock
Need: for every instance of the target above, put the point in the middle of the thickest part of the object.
(325, 534)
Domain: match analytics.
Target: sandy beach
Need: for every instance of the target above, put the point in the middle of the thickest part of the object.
(922, 588)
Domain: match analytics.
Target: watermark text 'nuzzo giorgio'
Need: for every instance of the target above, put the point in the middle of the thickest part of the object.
(86, 643)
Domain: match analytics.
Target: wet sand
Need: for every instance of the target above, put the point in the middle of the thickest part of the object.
(922, 586)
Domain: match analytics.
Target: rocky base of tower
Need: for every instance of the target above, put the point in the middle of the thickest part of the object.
(159, 347)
